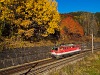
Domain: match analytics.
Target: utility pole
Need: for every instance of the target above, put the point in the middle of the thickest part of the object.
(92, 42)
(92, 23)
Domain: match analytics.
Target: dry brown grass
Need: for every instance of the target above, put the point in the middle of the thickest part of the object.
(96, 39)
(14, 42)
(18, 43)
(88, 66)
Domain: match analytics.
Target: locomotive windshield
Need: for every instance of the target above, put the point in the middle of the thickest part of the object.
(54, 48)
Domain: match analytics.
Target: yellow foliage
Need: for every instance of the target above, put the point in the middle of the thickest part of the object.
(50, 31)
(20, 31)
(23, 12)
(2, 0)
(46, 13)
(18, 22)
(29, 33)
(29, 4)
(7, 13)
(25, 23)
(18, 10)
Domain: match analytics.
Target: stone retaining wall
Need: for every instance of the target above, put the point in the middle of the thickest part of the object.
(13, 57)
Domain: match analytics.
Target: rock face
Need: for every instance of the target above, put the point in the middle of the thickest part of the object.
(12, 57)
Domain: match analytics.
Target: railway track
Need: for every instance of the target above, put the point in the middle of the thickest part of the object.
(56, 64)
(43, 65)
(24, 67)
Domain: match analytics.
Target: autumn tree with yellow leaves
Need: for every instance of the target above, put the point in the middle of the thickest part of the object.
(30, 17)
(6, 17)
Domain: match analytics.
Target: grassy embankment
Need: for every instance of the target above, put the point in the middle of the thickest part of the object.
(88, 66)
(9, 43)
(18, 43)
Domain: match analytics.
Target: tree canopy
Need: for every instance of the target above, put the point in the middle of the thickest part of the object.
(28, 17)
(70, 26)
(89, 21)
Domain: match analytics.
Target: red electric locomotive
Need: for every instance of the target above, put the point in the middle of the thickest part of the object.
(64, 50)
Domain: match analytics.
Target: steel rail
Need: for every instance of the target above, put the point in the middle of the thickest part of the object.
(15, 69)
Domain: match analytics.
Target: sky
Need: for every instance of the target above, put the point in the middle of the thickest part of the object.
(67, 6)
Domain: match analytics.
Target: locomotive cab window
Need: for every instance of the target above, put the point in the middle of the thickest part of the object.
(54, 48)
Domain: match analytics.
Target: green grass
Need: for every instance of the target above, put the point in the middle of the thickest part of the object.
(88, 66)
